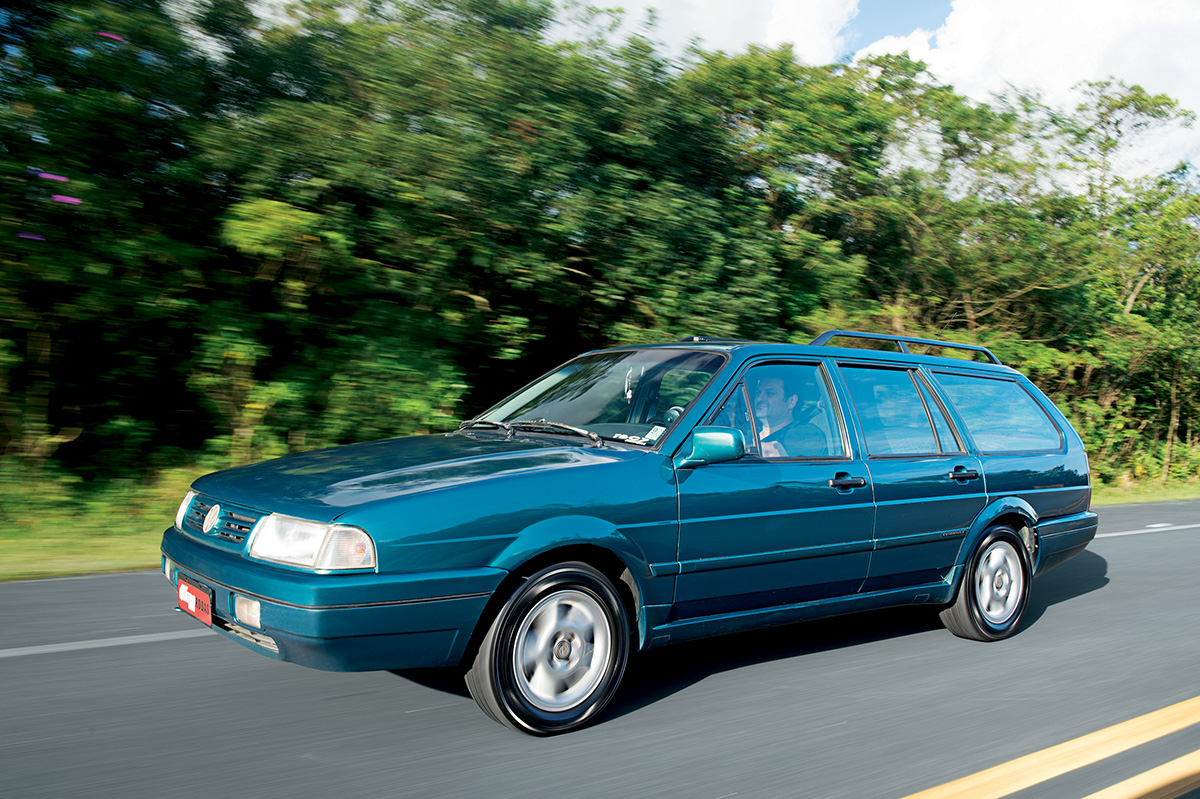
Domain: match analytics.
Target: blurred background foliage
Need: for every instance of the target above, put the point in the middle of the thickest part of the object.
(225, 237)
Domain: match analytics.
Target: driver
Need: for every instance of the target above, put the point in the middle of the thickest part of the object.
(780, 433)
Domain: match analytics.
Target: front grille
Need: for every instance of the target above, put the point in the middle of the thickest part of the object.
(233, 524)
(236, 525)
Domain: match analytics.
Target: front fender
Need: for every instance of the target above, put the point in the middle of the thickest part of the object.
(562, 532)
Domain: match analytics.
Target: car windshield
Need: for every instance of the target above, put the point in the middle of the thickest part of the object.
(634, 395)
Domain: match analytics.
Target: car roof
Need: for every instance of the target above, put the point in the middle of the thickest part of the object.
(915, 348)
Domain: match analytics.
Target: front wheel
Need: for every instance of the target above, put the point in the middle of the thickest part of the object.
(995, 589)
(554, 654)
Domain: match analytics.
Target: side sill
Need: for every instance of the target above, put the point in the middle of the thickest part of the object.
(938, 593)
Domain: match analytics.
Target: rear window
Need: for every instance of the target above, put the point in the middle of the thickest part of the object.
(1000, 414)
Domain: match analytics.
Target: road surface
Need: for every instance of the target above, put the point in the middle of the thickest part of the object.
(105, 691)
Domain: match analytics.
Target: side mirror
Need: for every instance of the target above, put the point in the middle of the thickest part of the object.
(711, 445)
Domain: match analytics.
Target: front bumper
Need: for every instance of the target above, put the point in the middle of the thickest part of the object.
(338, 622)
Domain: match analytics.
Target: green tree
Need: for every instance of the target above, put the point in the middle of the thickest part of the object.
(98, 241)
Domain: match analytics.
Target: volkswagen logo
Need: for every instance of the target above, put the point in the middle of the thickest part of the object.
(210, 520)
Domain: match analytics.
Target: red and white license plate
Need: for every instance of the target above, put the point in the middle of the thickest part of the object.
(196, 601)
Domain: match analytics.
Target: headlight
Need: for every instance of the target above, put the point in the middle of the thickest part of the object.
(312, 545)
(183, 509)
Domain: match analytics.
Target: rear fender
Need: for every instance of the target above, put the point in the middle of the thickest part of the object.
(1003, 508)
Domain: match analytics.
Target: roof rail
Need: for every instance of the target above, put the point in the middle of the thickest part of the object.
(902, 342)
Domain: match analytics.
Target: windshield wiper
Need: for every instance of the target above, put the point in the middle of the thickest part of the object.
(472, 422)
(537, 424)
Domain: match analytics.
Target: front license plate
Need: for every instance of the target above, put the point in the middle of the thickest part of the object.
(196, 601)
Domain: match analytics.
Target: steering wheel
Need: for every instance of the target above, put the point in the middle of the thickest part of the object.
(673, 413)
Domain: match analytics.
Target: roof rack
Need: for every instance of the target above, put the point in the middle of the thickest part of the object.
(902, 342)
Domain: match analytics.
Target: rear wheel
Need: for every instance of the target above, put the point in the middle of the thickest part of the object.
(555, 653)
(995, 589)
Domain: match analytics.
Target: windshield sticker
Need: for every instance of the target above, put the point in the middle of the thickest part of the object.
(655, 432)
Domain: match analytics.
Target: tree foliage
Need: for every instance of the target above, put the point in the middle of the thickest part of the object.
(246, 236)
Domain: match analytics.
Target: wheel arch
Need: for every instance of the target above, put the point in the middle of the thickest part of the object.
(1012, 512)
(565, 539)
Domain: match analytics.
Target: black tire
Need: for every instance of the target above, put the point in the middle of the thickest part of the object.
(555, 653)
(994, 590)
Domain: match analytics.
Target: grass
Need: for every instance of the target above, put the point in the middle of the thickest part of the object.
(53, 526)
(1149, 491)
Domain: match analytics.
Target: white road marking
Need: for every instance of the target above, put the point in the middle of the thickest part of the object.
(1150, 529)
(96, 576)
(99, 643)
(1160, 524)
(423, 709)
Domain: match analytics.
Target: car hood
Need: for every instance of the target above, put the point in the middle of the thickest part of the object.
(325, 484)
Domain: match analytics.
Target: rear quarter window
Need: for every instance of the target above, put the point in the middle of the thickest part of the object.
(1000, 414)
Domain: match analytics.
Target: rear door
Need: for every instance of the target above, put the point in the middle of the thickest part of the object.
(928, 489)
(789, 522)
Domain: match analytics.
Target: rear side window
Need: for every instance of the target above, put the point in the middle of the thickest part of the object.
(890, 409)
(1000, 414)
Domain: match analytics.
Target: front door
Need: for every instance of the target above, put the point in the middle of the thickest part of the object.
(792, 520)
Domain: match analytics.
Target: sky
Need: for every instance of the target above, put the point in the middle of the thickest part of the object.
(977, 46)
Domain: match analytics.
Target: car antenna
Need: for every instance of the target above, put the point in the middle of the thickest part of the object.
(940, 332)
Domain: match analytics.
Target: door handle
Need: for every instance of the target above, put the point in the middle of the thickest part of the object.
(960, 473)
(844, 480)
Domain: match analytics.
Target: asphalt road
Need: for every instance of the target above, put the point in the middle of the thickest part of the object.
(105, 691)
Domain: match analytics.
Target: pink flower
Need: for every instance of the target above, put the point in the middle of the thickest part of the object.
(110, 36)
(49, 176)
(62, 198)
(31, 236)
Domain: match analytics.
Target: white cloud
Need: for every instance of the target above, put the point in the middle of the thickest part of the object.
(812, 26)
(985, 46)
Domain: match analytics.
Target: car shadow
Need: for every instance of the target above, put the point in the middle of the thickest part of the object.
(1082, 574)
(659, 673)
(446, 680)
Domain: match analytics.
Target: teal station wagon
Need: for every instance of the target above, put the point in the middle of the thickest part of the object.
(641, 496)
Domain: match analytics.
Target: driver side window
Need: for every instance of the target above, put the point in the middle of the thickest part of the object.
(784, 411)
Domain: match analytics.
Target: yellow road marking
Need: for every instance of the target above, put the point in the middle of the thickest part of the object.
(1017, 775)
(1165, 782)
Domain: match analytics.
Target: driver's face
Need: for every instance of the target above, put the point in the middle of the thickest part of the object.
(771, 403)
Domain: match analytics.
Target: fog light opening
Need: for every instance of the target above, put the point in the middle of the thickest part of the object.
(168, 569)
(247, 611)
